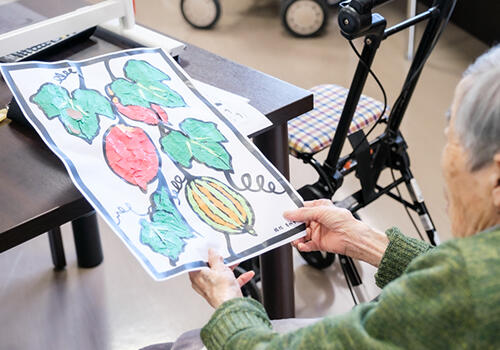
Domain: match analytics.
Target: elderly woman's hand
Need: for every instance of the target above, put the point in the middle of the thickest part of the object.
(335, 230)
(217, 284)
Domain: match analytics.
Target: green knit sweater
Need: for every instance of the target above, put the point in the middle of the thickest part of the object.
(446, 297)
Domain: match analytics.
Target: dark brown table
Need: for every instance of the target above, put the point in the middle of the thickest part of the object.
(37, 195)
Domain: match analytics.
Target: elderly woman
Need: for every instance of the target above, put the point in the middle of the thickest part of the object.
(433, 297)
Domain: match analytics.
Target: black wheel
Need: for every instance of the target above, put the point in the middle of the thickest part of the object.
(250, 289)
(318, 260)
(304, 18)
(201, 14)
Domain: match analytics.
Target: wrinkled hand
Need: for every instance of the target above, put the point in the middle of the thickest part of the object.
(217, 283)
(335, 230)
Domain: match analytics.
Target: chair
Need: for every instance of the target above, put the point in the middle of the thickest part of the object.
(313, 131)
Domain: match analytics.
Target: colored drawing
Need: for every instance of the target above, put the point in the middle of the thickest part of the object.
(78, 112)
(197, 140)
(142, 95)
(168, 173)
(167, 230)
(219, 206)
(131, 155)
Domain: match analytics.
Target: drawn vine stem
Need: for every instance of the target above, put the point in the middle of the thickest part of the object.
(247, 183)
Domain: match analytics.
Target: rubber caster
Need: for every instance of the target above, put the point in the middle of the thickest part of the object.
(201, 14)
(304, 18)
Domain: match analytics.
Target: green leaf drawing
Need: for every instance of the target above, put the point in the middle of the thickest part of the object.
(177, 146)
(202, 130)
(199, 140)
(144, 87)
(143, 71)
(167, 230)
(79, 112)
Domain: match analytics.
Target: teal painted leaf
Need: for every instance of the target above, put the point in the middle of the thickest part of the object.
(201, 141)
(93, 102)
(206, 147)
(157, 238)
(127, 93)
(167, 231)
(212, 154)
(200, 130)
(78, 113)
(177, 146)
(52, 99)
(139, 70)
(144, 87)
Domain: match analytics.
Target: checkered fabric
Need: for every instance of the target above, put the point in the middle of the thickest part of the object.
(313, 131)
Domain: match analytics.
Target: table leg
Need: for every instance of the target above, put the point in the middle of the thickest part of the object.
(57, 248)
(276, 266)
(87, 240)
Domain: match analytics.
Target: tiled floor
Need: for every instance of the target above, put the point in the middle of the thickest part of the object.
(117, 305)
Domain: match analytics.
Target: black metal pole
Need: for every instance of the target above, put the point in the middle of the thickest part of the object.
(372, 42)
(276, 266)
(423, 51)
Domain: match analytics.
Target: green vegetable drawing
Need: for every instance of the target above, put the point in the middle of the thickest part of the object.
(198, 140)
(219, 206)
(167, 230)
(141, 96)
(78, 112)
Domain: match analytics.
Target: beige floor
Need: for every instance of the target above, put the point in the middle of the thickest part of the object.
(117, 305)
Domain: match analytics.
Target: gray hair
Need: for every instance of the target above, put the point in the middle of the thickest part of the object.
(477, 120)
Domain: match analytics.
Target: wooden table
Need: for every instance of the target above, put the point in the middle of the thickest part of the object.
(37, 195)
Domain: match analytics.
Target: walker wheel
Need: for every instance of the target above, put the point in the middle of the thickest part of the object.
(201, 14)
(304, 18)
(318, 260)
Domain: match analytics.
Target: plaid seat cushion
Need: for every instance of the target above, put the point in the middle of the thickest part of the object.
(313, 131)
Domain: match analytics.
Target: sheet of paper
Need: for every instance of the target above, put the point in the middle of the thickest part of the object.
(211, 91)
(166, 170)
(247, 119)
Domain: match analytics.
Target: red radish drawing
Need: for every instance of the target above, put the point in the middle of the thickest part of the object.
(131, 155)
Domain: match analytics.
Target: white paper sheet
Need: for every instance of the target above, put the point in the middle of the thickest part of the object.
(165, 169)
(247, 119)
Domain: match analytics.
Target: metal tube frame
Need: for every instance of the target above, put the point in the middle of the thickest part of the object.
(389, 149)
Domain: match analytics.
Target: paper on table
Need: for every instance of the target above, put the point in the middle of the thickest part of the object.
(163, 167)
(247, 119)
(210, 90)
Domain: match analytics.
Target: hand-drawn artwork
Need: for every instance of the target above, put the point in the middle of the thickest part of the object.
(140, 97)
(167, 230)
(197, 140)
(78, 112)
(187, 196)
(220, 207)
(131, 155)
(215, 203)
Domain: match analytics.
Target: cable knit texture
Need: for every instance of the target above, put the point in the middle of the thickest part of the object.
(446, 297)
(399, 253)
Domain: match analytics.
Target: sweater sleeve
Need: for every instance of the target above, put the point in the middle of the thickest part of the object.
(428, 307)
(399, 253)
